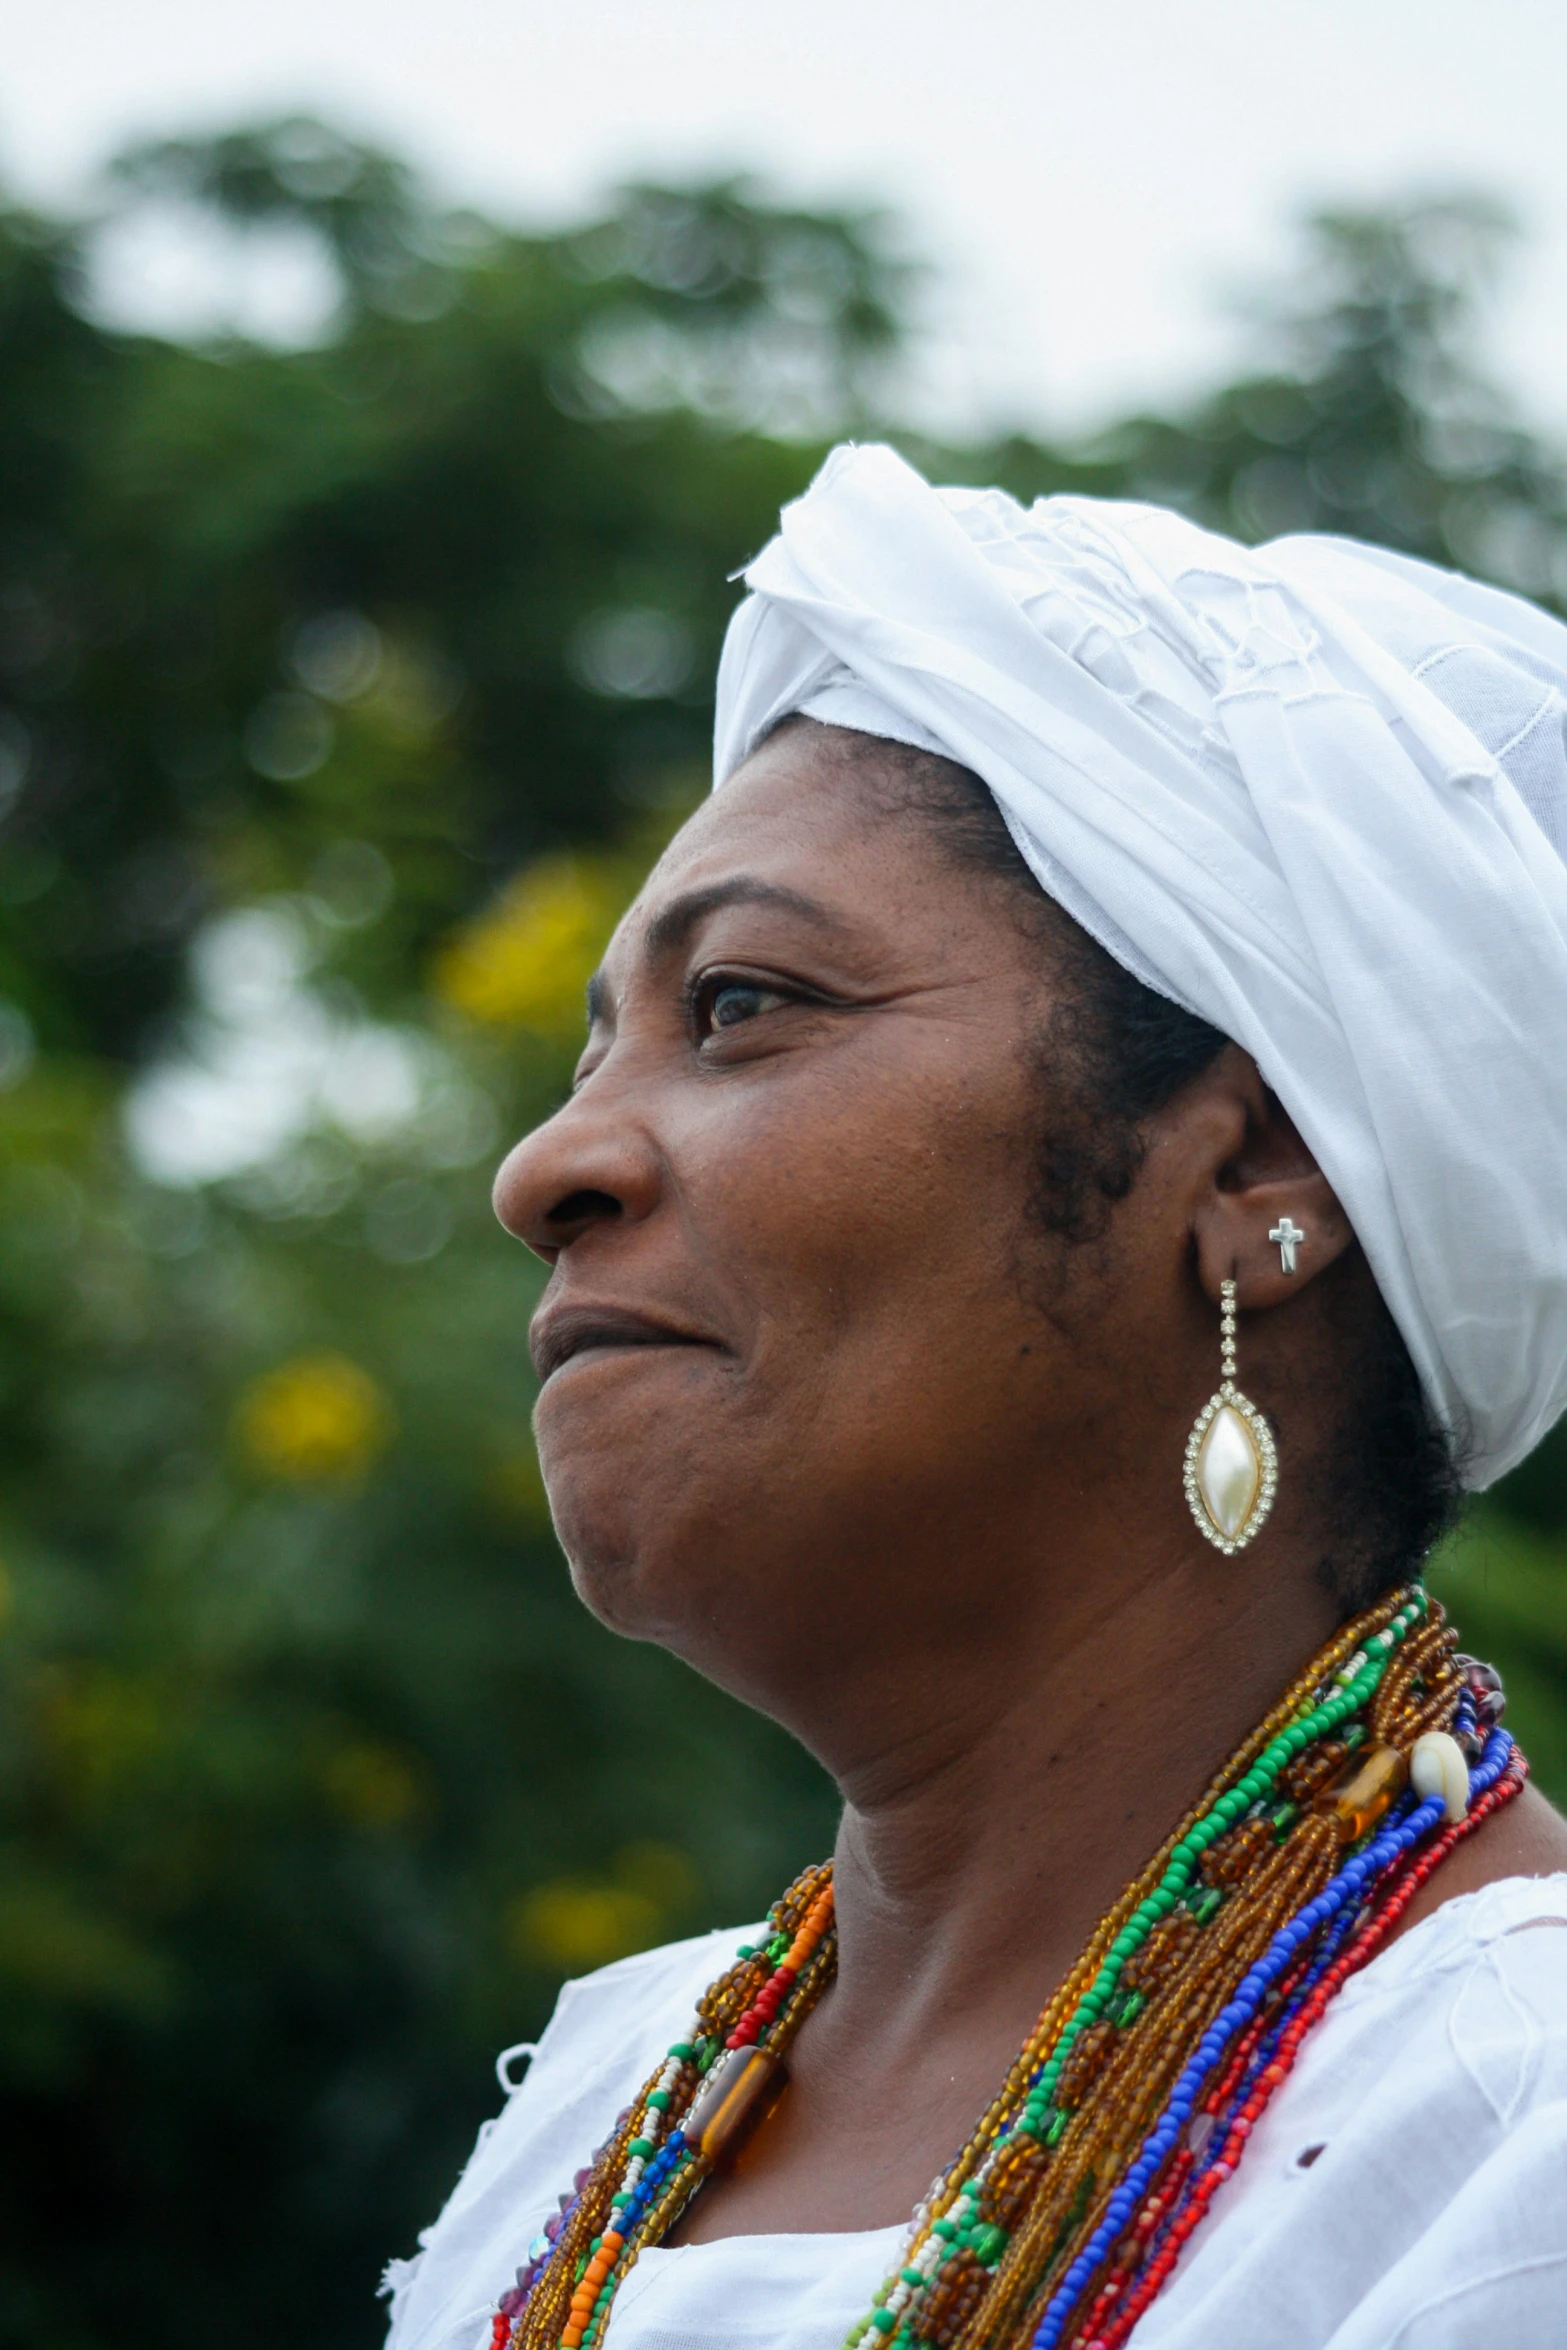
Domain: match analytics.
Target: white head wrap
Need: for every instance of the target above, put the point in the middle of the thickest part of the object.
(1313, 791)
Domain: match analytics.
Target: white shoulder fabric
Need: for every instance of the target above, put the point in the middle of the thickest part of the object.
(1314, 791)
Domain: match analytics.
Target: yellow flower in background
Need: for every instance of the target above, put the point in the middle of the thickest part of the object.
(579, 1926)
(574, 1924)
(525, 961)
(317, 1420)
(373, 1785)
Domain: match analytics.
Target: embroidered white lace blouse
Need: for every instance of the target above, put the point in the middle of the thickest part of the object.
(1406, 2190)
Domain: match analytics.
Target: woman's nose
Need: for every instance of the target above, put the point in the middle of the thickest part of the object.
(582, 1170)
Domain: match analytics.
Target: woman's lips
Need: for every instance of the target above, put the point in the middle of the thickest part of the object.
(561, 1333)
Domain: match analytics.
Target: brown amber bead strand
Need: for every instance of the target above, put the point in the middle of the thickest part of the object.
(1016, 2181)
(1226, 1862)
(954, 2302)
(1089, 2051)
(1419, 1689)
(1310, 1775)
(1166, 1950)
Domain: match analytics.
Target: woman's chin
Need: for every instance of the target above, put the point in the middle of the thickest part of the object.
(610, 1590)
(618, 1538)
(652, 1564)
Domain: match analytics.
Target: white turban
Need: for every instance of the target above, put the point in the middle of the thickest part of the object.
(1313, 791)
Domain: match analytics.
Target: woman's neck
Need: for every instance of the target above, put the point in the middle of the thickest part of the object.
(1017, 1787)
(1000, 1791)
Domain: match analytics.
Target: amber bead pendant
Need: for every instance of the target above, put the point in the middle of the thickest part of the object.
(735, 2099)
(1232, 1463)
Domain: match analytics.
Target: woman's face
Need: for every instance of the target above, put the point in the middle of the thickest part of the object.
(806, 1370)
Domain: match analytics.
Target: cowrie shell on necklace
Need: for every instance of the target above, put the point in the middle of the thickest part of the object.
(1232, 1462)
(1437, 1767)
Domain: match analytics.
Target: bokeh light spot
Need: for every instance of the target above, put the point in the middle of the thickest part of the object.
(318, 1419)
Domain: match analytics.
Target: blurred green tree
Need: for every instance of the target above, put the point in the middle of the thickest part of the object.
(344, 693)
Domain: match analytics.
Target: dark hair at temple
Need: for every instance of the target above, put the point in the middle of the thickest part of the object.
(1126, 1050)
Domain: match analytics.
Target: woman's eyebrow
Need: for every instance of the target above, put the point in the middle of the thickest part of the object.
(673, 924)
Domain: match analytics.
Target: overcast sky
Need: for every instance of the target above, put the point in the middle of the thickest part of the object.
(1094, 181)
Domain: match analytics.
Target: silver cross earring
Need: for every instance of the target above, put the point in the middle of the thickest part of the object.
(1289, 1236)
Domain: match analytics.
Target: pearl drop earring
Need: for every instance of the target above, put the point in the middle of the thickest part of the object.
(1232, 1462)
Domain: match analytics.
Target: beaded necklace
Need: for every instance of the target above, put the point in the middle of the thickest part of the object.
(1134, 2095)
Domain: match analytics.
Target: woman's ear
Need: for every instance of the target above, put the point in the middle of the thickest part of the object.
(1269, 1219)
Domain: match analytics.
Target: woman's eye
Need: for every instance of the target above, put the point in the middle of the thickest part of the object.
(735, 1000)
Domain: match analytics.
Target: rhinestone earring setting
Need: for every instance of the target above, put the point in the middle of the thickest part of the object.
(1232, 1462)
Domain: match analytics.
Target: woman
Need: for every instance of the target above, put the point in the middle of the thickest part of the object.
(1109, 953)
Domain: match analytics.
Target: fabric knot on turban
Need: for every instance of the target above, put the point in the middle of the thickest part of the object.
(1314, 791)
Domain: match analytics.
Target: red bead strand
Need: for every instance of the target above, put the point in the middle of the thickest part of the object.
(764, 2008)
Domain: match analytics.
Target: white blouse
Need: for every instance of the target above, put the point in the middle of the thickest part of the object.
(1406, 2189)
